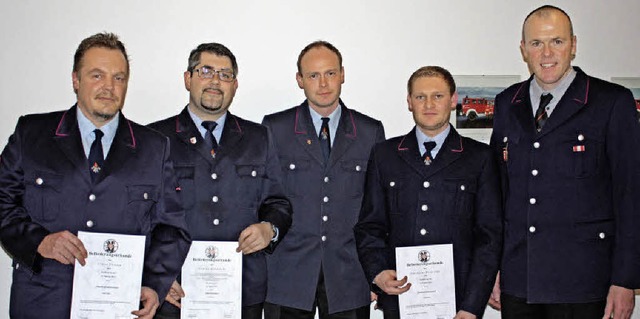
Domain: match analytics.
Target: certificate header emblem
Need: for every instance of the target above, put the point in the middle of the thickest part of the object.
(110, 246)
(211, 252)
(424, 256)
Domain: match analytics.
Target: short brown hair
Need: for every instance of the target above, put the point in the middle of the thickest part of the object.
(318, 44)
(544, 11)
(99, 40)
(432, 71)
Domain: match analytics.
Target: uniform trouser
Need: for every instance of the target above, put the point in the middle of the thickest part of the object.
(518, 308)
(273, 311)
(169, 311)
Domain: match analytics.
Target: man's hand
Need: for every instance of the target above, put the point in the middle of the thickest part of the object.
(494, 300)
(64, 247)
(464, 315)
(620, 303)
(175, 294)
(150, 304)
(389, 283)
(255, 238)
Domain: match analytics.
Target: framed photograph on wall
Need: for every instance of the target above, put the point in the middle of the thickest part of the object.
(476, 96)
(632, 84)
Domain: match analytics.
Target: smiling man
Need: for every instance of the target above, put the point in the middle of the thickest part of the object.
(569, 146)
(228, 172)
(323, 146)
(87, 169)
(432, 186)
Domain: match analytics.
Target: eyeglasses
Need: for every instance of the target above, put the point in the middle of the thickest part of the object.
(206, 72)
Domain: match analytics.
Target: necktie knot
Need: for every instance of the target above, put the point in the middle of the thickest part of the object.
(98, 134)
(427, 157)
(209, 125)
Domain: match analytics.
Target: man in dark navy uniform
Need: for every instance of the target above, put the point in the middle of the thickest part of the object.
(432, 186)
(87, 169)
(569, 146)
(228, 173)
(323, 147)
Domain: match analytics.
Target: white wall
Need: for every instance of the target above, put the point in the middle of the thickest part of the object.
(382, 43)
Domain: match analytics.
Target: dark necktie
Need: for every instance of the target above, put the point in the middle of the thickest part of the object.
(209, 139)
(96, 156)
(428, 158)
(325, 138)
(541, 113)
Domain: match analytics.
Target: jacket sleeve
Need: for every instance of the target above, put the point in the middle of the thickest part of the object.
(275, 207)
(487, 238)
(169, 239)
(623, 151)
(20, 236)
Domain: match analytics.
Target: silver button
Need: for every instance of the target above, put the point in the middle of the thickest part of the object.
(391, 184)
(326, 179)
(89, 223)
(536, 145)
(92, 197)
(601, 235)
(580, 137)
(254, 174)
(145, 196)
(505, 139)
(424, 207)
(532, 229)
(39, 181)
(534, 172)
(462, 187)
(214, 199)
(325, 218)
(216, 222)
(423, 232)
(532, 200)
(323, 238)
(17, 266)
(358, 168)
(325, 199)
(426, 184)
(292, 166)
(214, 176)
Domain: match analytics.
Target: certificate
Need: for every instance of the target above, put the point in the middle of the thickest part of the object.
(108, 285)
(212, 281)
(429, 269)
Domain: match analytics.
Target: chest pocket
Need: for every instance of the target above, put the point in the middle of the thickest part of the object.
(185, 176)
(393, 189)
(579, 153)
(297, 173)
(44, 190)
(354, 172)
(250, 183)
(463, 201)
(141, 199)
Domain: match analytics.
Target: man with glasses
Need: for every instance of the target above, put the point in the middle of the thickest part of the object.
(87, 169)
(324, 147)
(228, 173)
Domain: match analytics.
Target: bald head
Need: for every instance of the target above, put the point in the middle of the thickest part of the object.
(545, 12)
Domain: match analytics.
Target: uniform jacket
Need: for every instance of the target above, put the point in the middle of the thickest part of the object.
(571, 192)
(45, 187)
(454, 200)
(326, 201)
(223, 196)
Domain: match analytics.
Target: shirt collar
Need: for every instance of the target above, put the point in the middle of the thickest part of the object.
(535, 91)
(88, 136)
(334, 119)
(439, 139)
(217, 132)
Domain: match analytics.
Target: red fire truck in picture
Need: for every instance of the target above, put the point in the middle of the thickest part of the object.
(474, 107)
(638, 105)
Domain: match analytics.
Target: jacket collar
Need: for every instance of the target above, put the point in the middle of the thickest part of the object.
(451, 151)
